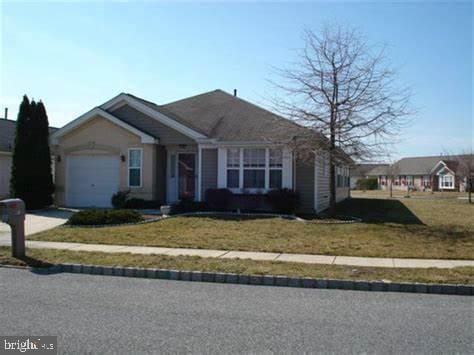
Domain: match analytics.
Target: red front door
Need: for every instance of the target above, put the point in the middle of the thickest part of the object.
(186, 176)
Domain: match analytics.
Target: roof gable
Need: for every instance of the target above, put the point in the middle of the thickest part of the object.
(166, 134)
(153, 111)
(145, 137)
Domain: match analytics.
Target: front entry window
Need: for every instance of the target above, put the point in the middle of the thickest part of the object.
(186, 178)
(135, 167)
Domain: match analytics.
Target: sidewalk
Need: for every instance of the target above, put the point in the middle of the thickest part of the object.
(227, 254)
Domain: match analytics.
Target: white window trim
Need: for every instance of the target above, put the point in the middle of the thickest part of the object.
(441, 180)
(287, 179)
(136, 104)
(141, 168)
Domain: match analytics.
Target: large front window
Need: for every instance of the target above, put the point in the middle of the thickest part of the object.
(254, 168)
(446, 182)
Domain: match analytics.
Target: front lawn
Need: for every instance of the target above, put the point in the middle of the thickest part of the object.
(46, 257)
(391, 228)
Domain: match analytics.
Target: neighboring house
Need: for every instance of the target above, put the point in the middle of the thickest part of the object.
(7, 140)
(179, 150)
(360, 171)
(434, 173)
(7, 137)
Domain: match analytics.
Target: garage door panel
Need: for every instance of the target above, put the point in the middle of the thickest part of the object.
(92, 180)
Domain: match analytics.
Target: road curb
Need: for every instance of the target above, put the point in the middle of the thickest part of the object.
(265, 280)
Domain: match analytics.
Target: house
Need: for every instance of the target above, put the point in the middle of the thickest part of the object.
(7, 139)
(181, 149)
(360, 171)
(7, 136)
(433, 173)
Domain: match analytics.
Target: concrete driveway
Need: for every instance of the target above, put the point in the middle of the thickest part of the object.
(39, 221)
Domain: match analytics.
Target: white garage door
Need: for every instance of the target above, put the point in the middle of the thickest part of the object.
(92, 180)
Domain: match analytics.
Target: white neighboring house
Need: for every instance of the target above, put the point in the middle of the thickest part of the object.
(434, 173)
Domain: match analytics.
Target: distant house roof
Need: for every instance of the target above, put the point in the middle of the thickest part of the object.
(7, 134)
(417, 165)
(378, 170)
(364, 169)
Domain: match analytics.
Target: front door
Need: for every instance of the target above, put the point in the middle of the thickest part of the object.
(186, 176)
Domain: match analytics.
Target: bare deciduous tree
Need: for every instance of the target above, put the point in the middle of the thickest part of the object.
(342, 88)
(392, 171)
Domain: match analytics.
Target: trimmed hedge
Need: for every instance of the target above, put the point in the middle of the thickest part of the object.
(218, 199)
(101, 217)
(284, 200)
(185, 206)
(139, 203)
(119, 199)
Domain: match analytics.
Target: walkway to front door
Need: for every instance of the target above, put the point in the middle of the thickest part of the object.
(186, 176)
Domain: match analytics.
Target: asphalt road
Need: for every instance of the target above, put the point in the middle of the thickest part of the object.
(100, 314)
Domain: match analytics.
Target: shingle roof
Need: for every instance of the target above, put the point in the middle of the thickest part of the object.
(364, 169)
(7, 134)
(224, 117)
(378, 170)
(416, 165)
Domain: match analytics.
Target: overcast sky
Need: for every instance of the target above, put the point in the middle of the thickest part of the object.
(75, 56)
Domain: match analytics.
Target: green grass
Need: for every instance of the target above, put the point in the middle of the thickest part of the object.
(392, 228)
(45, 257)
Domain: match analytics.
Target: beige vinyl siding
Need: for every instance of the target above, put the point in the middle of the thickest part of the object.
(304, 184)
(165, 134)
(209, 170)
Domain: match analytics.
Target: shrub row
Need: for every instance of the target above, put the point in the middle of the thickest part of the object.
(120, 200)
(367, 184)
(281, 200)
(101, 217)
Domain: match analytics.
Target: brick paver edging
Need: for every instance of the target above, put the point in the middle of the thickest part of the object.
(267, 280)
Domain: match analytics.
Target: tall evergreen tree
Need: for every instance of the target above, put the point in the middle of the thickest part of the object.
(43, 181)
(31, 168)
(21, 152)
